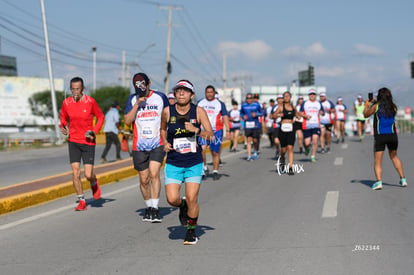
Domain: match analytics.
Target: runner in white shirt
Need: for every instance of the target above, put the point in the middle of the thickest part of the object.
(340, 113)
(311, 110)
(326, 122)
(143, 110)
(269, 123)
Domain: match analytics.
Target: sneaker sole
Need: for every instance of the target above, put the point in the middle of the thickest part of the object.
(156, 221)
(191, 243)
(377, 188)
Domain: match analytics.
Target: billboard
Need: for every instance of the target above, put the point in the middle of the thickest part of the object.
(15, 92)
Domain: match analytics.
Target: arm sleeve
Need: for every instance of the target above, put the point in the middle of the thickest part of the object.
(223, 109)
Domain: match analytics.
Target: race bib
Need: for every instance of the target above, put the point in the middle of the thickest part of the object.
(185, 145)
(360, 115)
(148, 132)
(287, 127)
(250, 124)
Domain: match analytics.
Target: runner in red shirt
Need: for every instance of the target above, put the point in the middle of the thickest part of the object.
(76, 119)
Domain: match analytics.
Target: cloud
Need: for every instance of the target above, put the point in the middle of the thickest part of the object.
(255, 50)
(362, 49)
(314, 50)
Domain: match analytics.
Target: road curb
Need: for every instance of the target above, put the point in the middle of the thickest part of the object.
(28, 199)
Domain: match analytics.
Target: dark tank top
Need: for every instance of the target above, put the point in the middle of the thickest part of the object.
(175, 130)
(288, 114)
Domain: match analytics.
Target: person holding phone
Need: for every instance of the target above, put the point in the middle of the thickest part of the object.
(181, 124)
(385, 135)
(143, 110)
(76, 120)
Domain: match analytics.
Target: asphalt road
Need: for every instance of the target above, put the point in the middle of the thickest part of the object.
(21, 165)
(324, 220)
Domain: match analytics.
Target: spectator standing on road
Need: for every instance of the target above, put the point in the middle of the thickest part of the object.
(384, 111)
(218, 116)
(143, 110)
(181, 124)
(76, 119)
(111, 132)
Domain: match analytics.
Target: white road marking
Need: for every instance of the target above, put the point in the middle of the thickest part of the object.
(339, 161)
(344, 146)
(330, 206)
(58, 210)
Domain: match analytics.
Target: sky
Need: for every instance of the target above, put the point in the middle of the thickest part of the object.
(355, 46)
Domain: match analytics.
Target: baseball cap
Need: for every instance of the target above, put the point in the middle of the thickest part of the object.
(115, 104)
(184, 84)
(359, 96)
(300, 97)
(171, 95)
(279, 96)
(312, 91)
(140, 82)
(339, 99)
(322, 94)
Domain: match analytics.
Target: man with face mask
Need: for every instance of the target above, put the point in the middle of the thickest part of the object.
(143, 110)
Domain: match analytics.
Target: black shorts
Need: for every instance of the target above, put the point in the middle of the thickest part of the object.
(297, 126)
(234, 129)
(254, 133)
(308, 133)
(142, 159)
(78, 151)
(389, 140)
(328, 127)
(287, 138)
(362, 121)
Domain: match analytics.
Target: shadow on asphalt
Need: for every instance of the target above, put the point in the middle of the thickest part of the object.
(98, 203)
(178, 232)
(164, 211)
(369, 183)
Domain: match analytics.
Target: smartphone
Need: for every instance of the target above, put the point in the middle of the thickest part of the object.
(370, 96)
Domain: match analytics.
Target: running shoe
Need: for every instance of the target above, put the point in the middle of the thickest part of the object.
(183, 213)
(403, 182)
(277, 154)
(291, 172)
(190, 237)
(323, 151)
(313, 160)
(147, 215)
(103, 160)
(328, 149)
(300, 150)
(81, 206)
(96, 191)
(249, 158)
(255, 156)
(155, 216)
(307, 150)
(216, 176)
(342, 140)
(377, 185)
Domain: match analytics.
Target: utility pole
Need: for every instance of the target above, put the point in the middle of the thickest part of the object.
(94, 67)
(168, 53)
(51, 79)
(224, 71)
(123, 75)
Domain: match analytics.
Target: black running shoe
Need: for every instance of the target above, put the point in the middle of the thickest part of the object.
(291, 172)
(155, 216)
(147, 215)
(190, 237)
(183, 213)
(216, 176)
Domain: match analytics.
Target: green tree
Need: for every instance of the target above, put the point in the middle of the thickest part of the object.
(105, 96)
(41, 103)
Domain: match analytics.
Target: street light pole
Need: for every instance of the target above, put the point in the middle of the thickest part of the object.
(94, 67)
(51, 79)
